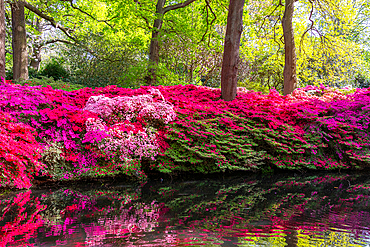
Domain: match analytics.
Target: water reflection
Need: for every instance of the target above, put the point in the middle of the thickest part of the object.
(329, 210)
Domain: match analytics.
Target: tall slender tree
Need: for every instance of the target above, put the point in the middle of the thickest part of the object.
(37, 45)
(154, 43)
(290, 67)
(19, 41)
(2, 39)
(234, 30)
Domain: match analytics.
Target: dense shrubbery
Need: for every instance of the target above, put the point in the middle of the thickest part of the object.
(55, 70)
(105, 131)
(55, 84)
(19, 153)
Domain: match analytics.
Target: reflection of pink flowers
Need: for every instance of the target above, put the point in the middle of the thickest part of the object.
(136, 219)
(26, 213)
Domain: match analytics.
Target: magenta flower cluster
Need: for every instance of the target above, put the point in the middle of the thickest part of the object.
(126, 126)
(102, 131)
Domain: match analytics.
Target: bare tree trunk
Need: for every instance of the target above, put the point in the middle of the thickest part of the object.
(36, 48)
(36, 57)
(230, 61)
(20, 54)
(154, 44)
(290, 68)
(2, 39)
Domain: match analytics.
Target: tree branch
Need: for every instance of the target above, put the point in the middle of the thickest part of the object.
(56, 25)
(308, 29)
(58, 40)
(148, 26)
(89, 15)
(272, 12)
(208, 6)
(177, 6)
(50, 19)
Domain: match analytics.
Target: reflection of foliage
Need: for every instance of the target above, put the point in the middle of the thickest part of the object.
(112, 212)
(255, 201)
(265, 211)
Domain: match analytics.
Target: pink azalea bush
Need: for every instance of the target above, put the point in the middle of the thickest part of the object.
(110, 130)
(298, 131)
(125, 130)
(19, 153)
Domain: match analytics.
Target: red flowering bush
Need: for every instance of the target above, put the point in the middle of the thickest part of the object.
(19, 153)
(325, 130)
(188, 128)
(22, 219)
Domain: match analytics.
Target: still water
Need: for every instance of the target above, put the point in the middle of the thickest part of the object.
(300, 210)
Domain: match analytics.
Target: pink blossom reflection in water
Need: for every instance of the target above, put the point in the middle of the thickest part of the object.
(325, 211)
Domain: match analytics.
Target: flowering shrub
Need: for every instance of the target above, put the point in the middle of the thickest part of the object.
(294, 132)
(22, 219)
(126, 130)
(19, 153)
(104, 131)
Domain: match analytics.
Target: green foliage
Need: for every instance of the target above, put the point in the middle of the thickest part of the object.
(53, 158)
(55, 84)
(33, 73)
(202, 146)
(55, 70)
(9, 74)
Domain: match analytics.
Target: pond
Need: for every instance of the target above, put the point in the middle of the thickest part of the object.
(279, 210)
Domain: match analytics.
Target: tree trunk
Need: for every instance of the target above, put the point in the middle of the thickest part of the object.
(2, 39)
(19, 43)
(151, 78)
(36, 47)
(290, 68)
(234, 30)
(36, 57)
(154, 44)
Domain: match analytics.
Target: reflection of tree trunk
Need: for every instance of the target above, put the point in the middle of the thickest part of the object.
(154, 44)
(290, 73)
(234, 30)
(20, 55)
(292, 239)
(2, 39)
